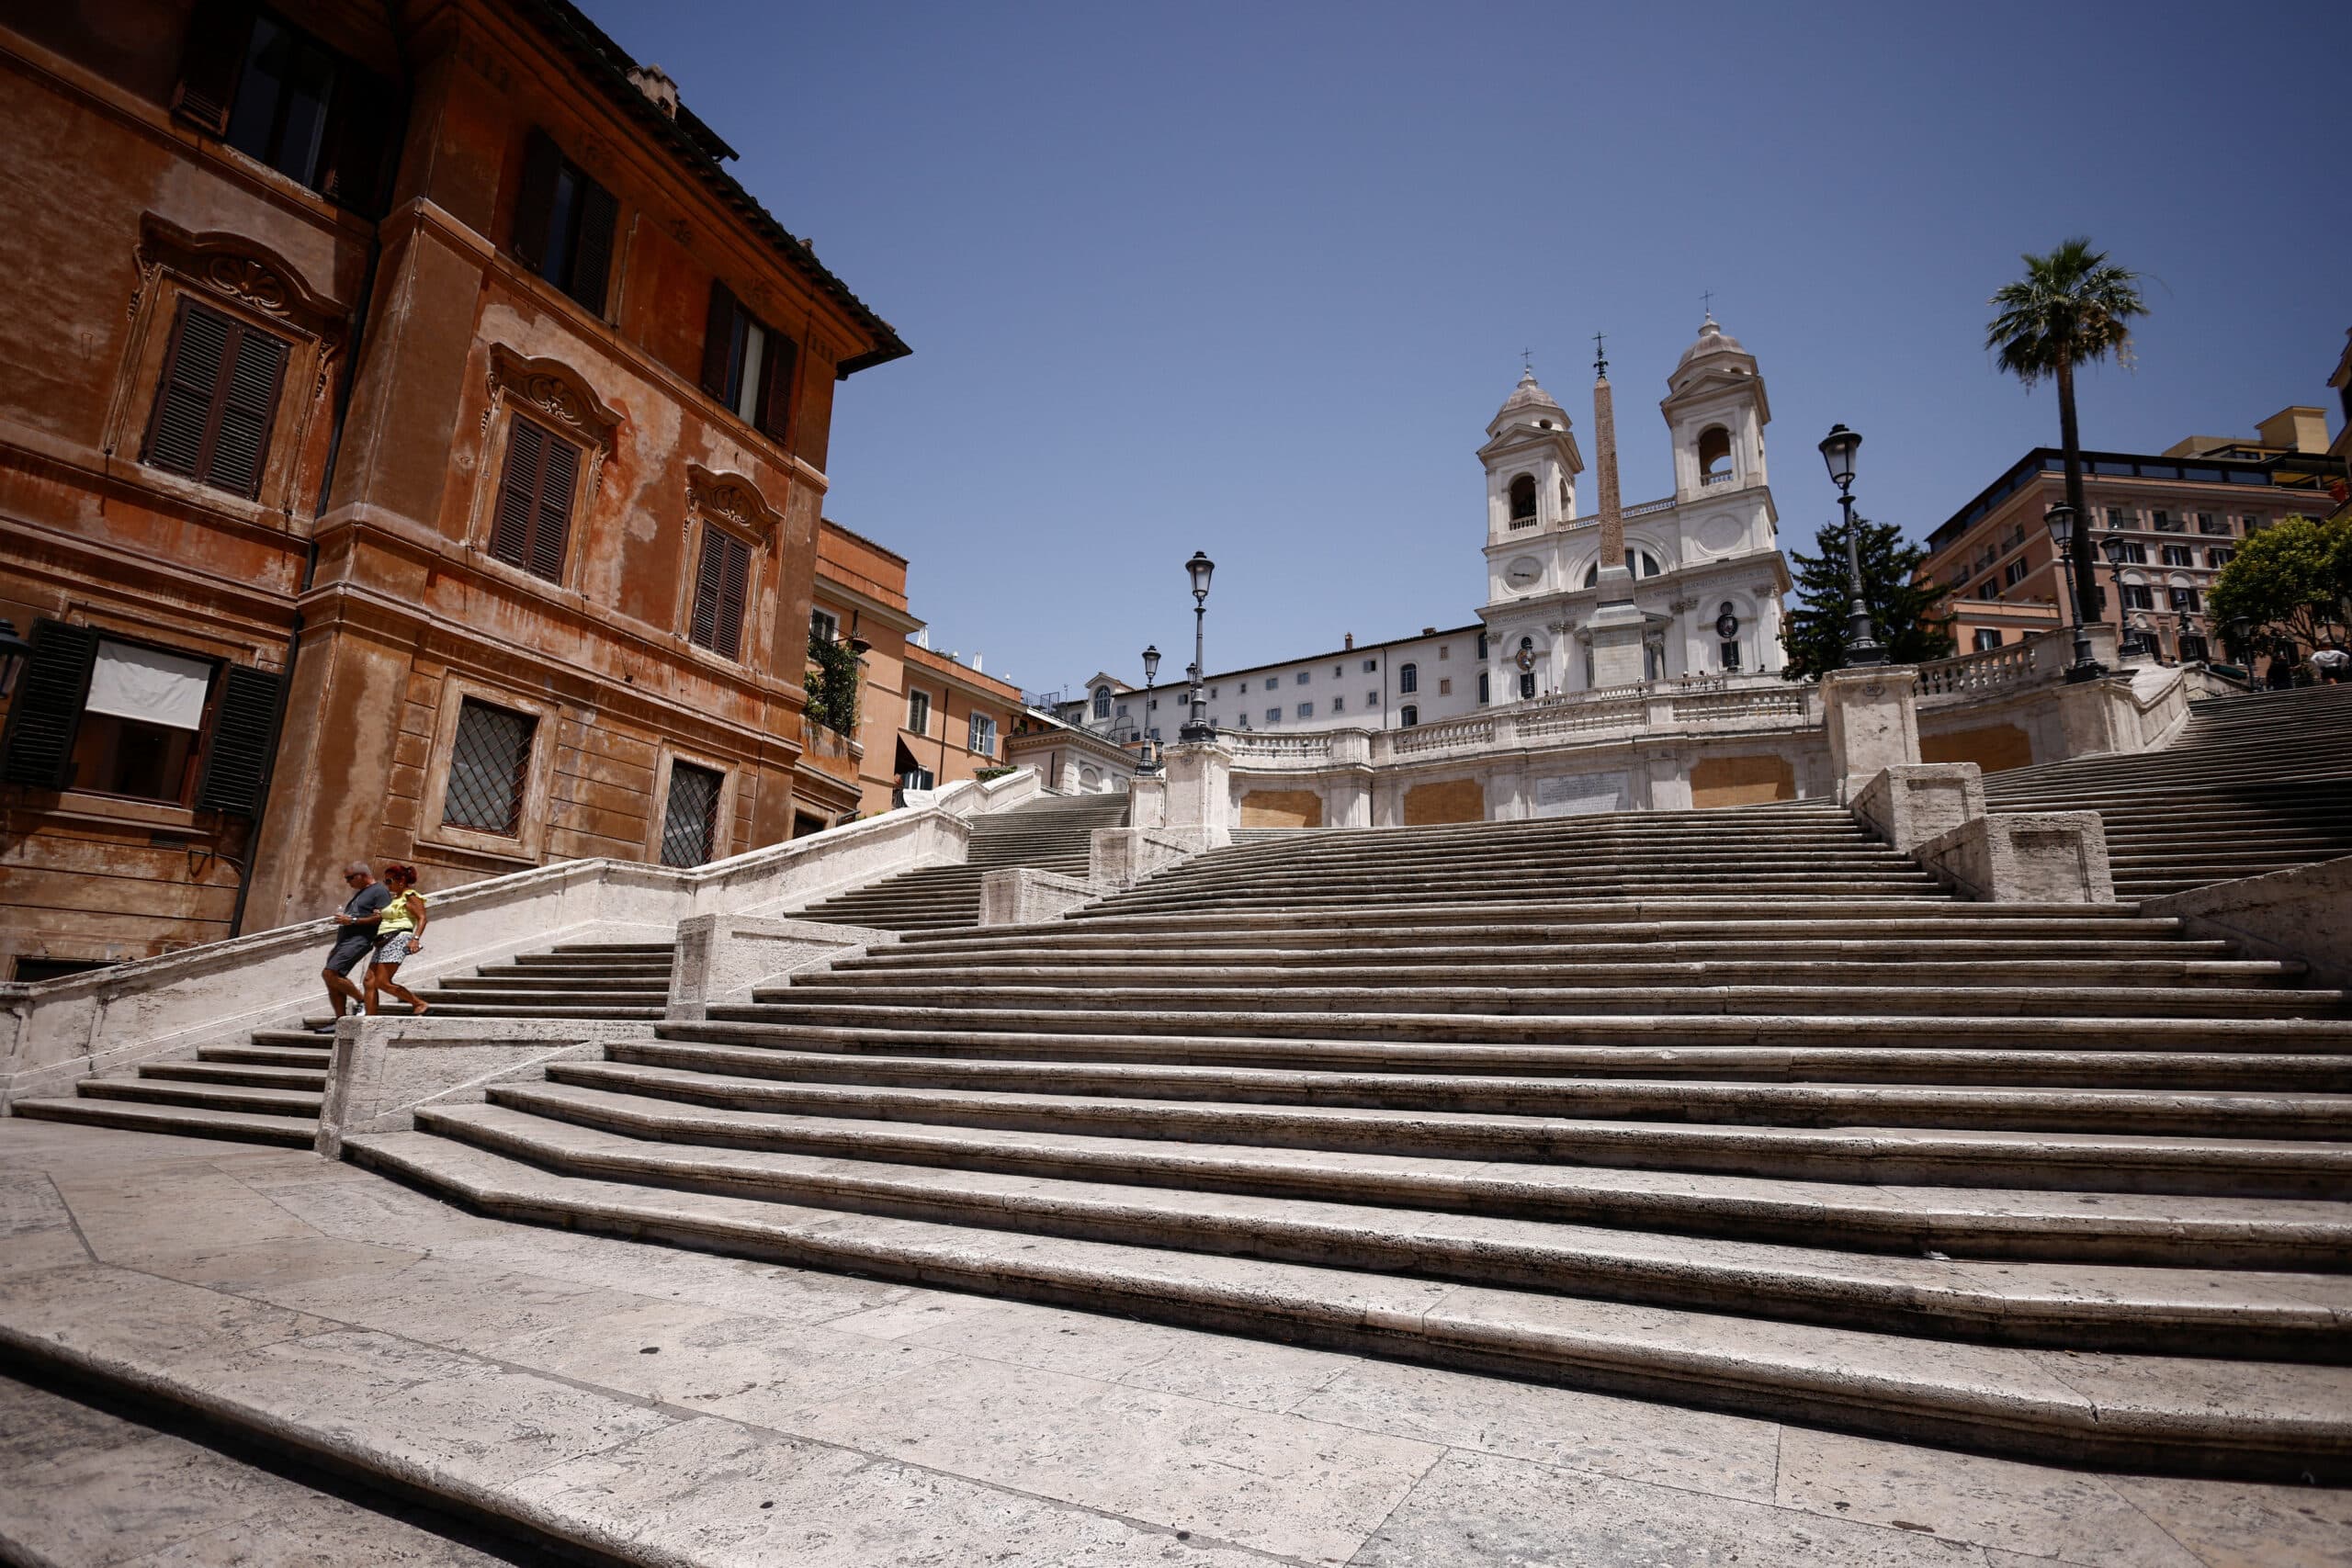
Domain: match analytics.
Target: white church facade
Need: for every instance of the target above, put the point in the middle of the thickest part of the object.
(1708, 578)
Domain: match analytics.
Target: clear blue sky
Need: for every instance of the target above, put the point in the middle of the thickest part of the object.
(1251, 278)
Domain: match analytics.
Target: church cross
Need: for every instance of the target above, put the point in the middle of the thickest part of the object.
(1708, 299)
(1527, 357)
(1600, 357)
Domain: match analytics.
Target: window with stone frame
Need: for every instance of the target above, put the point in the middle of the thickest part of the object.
(217, 404)
(1408, 678)
(537, 487)
(1522, 501)
(564, 223)
(490, 767)
(1408, 716)
(722, 587)
(983, 736)
(690, 817)
(919, 712)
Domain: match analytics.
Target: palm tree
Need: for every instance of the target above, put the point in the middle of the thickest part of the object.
(2072, 307)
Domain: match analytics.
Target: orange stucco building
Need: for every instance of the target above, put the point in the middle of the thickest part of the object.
(414, 448)
(924, 719)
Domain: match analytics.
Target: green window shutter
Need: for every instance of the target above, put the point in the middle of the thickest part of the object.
(48, 710)
(718, 339)
(218, 33)
(244, 733)
(535, 205)
(592, 257)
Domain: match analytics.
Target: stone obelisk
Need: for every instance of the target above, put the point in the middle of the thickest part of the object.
(1617, 626)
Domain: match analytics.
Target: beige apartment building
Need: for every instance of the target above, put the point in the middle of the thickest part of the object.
(2176, 518)
(924, 719)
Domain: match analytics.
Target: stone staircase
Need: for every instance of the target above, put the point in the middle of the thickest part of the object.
(1052, 833)
(1733, 1108)
(2254, 783)
(269, 1089)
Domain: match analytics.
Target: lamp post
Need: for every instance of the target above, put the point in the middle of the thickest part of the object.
(1150, 761)
(2117, 552)
(1838, 450)
(2063, 532)
(1197, 729)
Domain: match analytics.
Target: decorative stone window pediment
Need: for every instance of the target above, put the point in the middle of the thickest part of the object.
(236, 268)
(731, 500)
(557, 396)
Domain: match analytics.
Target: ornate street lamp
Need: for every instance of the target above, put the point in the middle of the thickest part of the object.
(1149, 764)
(1838, 450)
(13, 651)
(1197, 728)
(2064, 535)
(2118, 552)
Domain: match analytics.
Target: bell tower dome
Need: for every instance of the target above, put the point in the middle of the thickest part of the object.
(1532, 465)
(1715, 412)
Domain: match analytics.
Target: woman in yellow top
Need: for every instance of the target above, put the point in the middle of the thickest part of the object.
(399, 933)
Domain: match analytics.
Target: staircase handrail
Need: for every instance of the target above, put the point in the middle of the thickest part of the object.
(53, 1031)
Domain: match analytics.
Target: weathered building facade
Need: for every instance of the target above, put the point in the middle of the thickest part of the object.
(415, 447)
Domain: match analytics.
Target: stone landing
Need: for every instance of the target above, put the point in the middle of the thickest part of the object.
(662, 1406)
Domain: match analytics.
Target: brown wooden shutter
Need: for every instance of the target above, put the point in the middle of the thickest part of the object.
(775, 390)
(48, 709)
(217, 35)
(183, 417)
(244, 732)
(591, 255)
(702, 630)
(718, 339)
(735, 571)
(248, 406)
(518, 490)
(559, 479)
(534, 204)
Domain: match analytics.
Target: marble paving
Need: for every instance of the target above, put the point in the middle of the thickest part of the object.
(690, 1408)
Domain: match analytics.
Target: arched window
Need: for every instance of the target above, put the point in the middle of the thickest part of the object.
(1714, 455)
(1408, 716)
(1102, 702)
(1641, 563)
(1408, 678)
(1522, 501)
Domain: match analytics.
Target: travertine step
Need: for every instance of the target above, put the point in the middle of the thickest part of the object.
(2235, 1417)
(1973, 1222)
(2175, 1311)
(181, 1121)
(256, 1077)
(1556, 1131)
(209, 1096)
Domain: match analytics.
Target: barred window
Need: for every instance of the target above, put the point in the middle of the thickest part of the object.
(489, 764)
(690, 822)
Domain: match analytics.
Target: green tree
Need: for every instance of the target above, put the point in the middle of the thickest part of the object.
(2289, 580)
(1902, 610)
(2073, 307)
(832, 686)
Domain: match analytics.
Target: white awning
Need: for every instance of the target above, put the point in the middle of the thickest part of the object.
(152, 687)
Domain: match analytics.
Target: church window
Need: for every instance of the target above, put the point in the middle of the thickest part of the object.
(1408, 678)
(1408, 716)
(1486, 688)
(1641, 563)
(1714, 454)
(1522, 501)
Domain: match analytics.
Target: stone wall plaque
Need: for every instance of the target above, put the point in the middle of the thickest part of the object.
(1580, 794)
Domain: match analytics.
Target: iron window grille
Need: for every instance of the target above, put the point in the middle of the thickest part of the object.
(490, 763)
(690, 822)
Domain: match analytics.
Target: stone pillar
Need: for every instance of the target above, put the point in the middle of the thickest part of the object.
(1873, 716)
(1148, 801)
(1908, 805)
(1067, 782)
(2039, 857)
(1617, 627)
(1200, 789)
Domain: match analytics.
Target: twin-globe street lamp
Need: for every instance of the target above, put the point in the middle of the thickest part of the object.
(1838, 450)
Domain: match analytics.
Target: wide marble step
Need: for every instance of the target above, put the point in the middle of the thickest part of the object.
(2234, 1417)
(179, 1121)
(2165, 1229)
